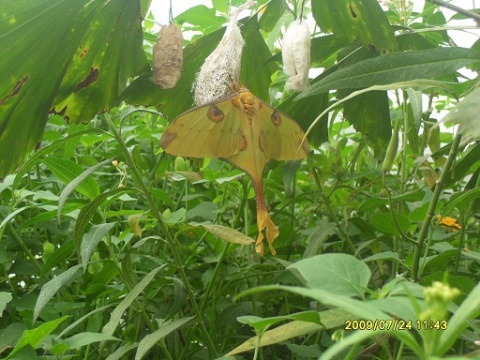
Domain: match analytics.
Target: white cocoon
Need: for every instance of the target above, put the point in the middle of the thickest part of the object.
(221, 68)
(296, 55)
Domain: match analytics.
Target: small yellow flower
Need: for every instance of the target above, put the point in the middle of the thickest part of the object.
(448, 223)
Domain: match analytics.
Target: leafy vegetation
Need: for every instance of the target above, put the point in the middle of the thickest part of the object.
(111, 249)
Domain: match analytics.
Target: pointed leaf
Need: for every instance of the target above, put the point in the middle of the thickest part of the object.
(150, 340)
(75, 183)
(396, 67)
(330, 319)
(67, 171)
(50, 289)
(91, 240)
(34, 337)
(117, 314)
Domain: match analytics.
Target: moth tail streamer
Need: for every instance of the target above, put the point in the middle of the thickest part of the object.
(264, 222)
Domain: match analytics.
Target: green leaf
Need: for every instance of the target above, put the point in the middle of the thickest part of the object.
(273, 12)
(369, 113)
(5, 298)
(121, 351)
(91, 240)
(358, 21)
(76, 183)
(202, 17)
(59, 255)
(340, 274)
(50, 289)
(86, 214)
(256, 71)
(385, 223)
(261, 324)
(118, 312)
(151, 340)
(70, 172)
(87, 338)
(101, 47)
(34, 337)
(396, 67)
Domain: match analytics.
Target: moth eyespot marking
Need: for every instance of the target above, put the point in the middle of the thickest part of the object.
(166, 139)
(276, 118)
(215, 114)
(243, 143)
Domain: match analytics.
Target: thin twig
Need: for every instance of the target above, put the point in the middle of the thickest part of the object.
(431, 208)
(458, 9)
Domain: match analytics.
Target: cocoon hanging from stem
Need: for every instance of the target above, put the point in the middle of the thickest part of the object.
(296, 55)
(168, 56)
(221, 68)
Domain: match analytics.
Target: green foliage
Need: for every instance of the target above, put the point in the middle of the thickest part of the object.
(110, 249)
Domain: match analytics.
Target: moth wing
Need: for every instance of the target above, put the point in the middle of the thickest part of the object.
(211, 130)
(280, 137)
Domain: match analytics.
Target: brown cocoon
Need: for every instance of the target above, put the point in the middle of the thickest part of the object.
(168, 57)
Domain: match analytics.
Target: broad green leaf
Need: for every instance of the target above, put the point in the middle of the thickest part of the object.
(339, 274)
(151, 340)
(273, 12)
(304, 111)
(34, 337)
(256, 71)
(396, 67)
(91, 240)
(201, 17)
(99, 48)
(387, 255)
(358, 21)
(50, 289)
(369, 113)
(5, 298)
(385, 223)
(330, 319)
(118, 312)
(68, 171)
(87, 338)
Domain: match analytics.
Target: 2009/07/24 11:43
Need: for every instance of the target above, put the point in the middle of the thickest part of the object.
(395, 324)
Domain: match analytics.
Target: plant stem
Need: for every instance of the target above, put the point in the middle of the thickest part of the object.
(431, 208)
(146, 192)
